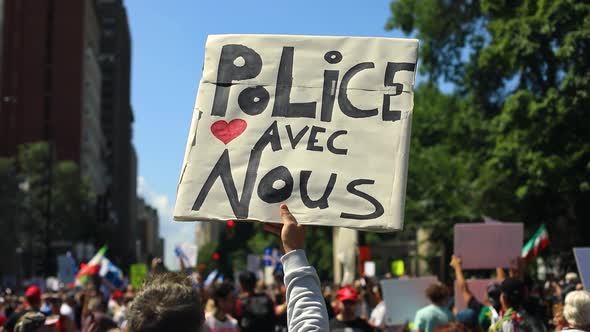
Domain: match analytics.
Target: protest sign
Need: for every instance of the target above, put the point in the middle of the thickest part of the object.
(369, 268)
(488, 245)
(403, 297)
(583, 262)
(66, 268)
(137, 273)
(477, 287)
(253, 263)
(398, 267)
(319, 123)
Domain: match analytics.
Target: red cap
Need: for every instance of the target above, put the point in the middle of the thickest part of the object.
(116, 295)
(347, 293)
(33, 293)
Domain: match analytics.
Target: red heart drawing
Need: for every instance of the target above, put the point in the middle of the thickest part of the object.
(226, 132)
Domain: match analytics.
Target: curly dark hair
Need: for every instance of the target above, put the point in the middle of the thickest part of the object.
(437, 293)
(452, 327)
(167, 302)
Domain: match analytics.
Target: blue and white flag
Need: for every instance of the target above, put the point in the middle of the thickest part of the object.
(272, 258)
(111, 273)
(187, 254)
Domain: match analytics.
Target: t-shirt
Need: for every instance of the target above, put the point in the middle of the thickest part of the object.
(215, 325)
(356, 325)
(486, 315)
(67, 311)
(378, 315)
(431, 316)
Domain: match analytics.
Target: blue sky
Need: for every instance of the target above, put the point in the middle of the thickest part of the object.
(167, 56)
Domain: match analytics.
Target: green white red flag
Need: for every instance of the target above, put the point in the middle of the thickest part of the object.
(536, 244)
(92, 267)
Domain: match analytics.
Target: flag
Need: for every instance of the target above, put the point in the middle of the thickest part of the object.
(538, 242)
(111, 273)
(187, 254)
(271, 262)
(92, 267)
(271, 258)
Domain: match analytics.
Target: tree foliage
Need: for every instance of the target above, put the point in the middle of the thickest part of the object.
(512, 140)
(33, 187)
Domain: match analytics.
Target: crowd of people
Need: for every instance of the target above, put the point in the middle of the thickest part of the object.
(297, 302)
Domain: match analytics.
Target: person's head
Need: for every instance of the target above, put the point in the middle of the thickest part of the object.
(33, 297)
(375, 293)
(452, 327)
(576, 310)
(224, 297)
(117, 296)
(348, 298)
(167, 302)
(513, 293)
(571, 277)
(469, 318)
(493, 292)
(437, 293)
(95, 304)
(247, 281)
(70, 298)
(54, 302)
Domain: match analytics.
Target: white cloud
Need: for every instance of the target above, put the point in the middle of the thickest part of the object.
(172, 232)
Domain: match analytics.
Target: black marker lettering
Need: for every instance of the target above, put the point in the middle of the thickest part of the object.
(283, 106)
(330, 143)
(329, 94)
(312, 139)
(253, 100)
(222, 169)
(321, 203)
(333, 57)
(392, 68)
(295, 140)
(228, 71)
(272, 135)
(268, 193)
(345, 105)
(378, 207)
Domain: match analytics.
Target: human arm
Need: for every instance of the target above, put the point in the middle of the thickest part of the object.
(465, 292)
(500, 274)
(306, 308)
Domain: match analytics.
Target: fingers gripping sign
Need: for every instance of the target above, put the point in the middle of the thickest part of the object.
(291, 233)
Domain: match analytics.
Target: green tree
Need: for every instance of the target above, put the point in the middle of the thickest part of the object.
(11, 200)
(55, 189)
(519, 142)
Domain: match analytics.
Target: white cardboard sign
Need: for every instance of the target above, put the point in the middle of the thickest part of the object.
(583, 262)
(370, 268)
(319, 123)
(404, 297)
(488, 245)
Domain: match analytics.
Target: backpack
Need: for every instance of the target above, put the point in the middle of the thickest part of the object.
(257, 313)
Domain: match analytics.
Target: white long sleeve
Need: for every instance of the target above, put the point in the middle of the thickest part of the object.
(306, 308)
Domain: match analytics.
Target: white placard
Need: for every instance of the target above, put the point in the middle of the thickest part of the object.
(369, 268)
(253, 263)
(488, 245)
(583, 262)
(319, 123)
(404, 297)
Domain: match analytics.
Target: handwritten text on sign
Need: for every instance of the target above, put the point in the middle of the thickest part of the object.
(321, 123)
